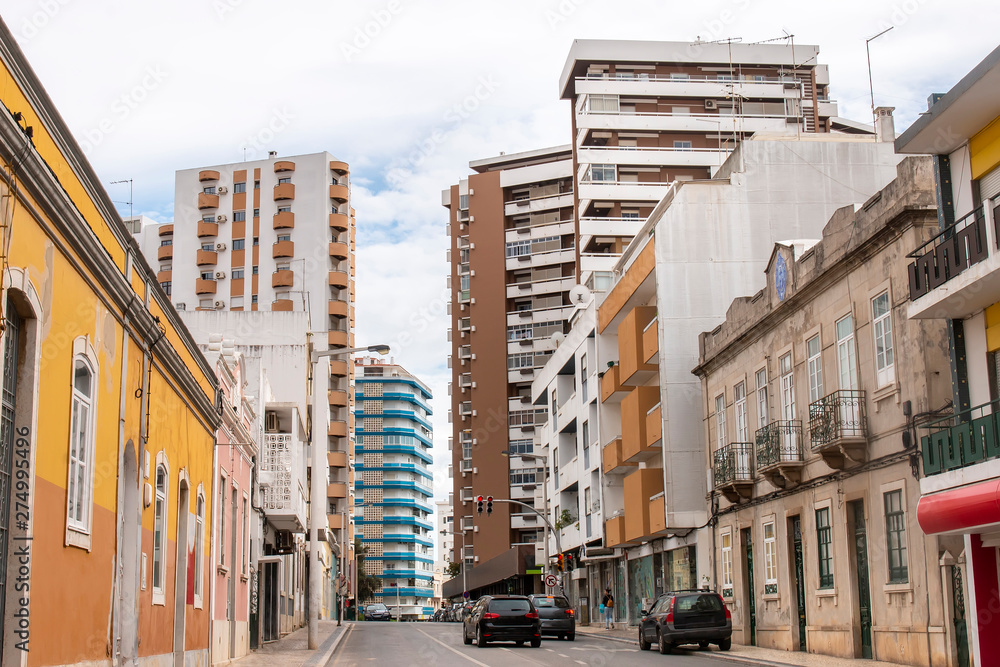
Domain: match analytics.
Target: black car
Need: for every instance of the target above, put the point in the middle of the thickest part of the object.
(556, 614)
(377, 612)
(511, 618)
(686, 617)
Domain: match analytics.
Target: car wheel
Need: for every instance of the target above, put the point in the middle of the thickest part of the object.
(536, 642)
(643, 643)
(480, 640)
(662, 643)
(571, 636)
(703, 645)
(726, 644)
(465, 636)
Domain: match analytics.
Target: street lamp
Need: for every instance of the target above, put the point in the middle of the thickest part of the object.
(462, 535)
(317, 494)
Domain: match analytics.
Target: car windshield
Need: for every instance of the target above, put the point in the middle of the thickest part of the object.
(551, 601)
(699, 603)
(510, 605)
(376, 607)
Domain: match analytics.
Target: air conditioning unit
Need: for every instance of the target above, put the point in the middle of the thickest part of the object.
(220, 246)
(220, 218)
(284, 542)
(219, 305)
(271, 422)
(180, 306)
(222, 190)
(475, 529)
(472, 218)
(711, 104)
(220, 274)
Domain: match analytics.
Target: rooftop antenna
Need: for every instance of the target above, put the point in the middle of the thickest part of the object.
(129, 202)
(871, 87)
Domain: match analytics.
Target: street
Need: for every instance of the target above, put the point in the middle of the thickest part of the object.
(434, 644)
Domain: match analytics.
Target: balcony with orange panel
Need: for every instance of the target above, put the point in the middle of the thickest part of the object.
(339, 221)
(635, 437)
(284, 220)
(202, 286)
(338, 368)
(614, 532)
(657, 514)
(338, 339)
(339, 250)
(207, 201)
(339, 279)
(338, 398)
(640, 486)
(283, 249)
(337, 459)
(207, 229)
(165, 252)
(339, 192)
(611, 458)
(206, 258)
(283, 191)
(208, 175)
(612, 390)
(634, 369)
(651, 344)
(282, 278)
(281, 305)
(336, 490)
(338, 309)
(654, 428)
(164, 276)
(336, 521)
(339, 166)
(166, 230)
(283, 165)
(338, 429)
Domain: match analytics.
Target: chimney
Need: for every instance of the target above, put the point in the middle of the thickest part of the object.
(885, 128)
(272, 154)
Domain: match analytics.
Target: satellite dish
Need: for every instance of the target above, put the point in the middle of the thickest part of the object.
(579, 295)
(558, 337)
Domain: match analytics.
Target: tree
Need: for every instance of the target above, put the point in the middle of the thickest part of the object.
(453, 569)
(367, 583)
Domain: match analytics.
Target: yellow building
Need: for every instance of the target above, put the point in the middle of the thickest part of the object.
(107, 417)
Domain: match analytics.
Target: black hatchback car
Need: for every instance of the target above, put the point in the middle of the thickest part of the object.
(686, 617)
(509, 618)
(557, 616)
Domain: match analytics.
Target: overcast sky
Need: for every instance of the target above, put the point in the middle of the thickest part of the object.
(408, 92)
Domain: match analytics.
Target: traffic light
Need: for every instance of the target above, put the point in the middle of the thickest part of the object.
(479, 504)
(569, 562)
(560, 562)
(489, 504)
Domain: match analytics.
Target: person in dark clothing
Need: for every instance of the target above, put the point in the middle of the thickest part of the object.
(609, 609)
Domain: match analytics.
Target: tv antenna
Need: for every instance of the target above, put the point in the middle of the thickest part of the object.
(129, 202)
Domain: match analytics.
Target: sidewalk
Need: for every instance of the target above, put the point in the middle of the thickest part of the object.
(291, 651)
(739, 654)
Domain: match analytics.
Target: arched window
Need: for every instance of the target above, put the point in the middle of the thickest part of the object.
(80, 488)
(199, 548)
(160, 535)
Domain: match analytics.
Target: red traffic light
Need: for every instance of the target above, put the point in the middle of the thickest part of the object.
(479, 499)
(489, 499)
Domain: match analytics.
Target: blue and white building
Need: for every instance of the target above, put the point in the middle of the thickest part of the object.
(394, 485)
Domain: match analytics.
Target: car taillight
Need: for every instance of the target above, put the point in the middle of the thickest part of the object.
(489, 616)
(531, 614)
(728, 615)
(670, 617)
(570, 612)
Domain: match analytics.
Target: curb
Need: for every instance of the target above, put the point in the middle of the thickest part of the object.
(738, 659)
(328, 646)
(620, 640)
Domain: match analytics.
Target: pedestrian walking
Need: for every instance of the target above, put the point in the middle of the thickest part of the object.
(608, 602)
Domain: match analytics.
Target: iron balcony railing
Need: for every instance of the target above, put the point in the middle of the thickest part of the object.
(962, 439)
(733, 463)
(949, 253)
(779, 442)
(837, 416)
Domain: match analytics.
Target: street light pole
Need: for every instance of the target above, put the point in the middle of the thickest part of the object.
(462, 535)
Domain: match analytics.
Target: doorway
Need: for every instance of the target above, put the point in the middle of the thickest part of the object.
(231, 608)
(8, 396)
(181, 571)
(750, 596)
(862, 583)
(800, 583)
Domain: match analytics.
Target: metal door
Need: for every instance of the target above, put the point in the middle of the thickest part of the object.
(864, 587)
(7, 408)
(751, 593)
(800, 583)
(961, 631)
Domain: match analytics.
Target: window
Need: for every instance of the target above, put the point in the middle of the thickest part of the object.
(245, 567)
(521, 446)
(286, 179)
(824, 539)
(255, 270)
(682, 145)
(199, 548)
(209, 190)
(583, 378)
(679, 76)
(727, 564)
(167, 287)
(762, 415)
(463, 202)
(882, 328)
(81, 446)
(256, 185)
(815, 365)
(239, 216)
(895, 536)
(207, 275)
(237, 274)
(787, 387)
(205, 303)
(164, 242)
(720, 420)
(239, 187)
(520, 360)
(222, 520)
(239, 244)
(256, 213)
(770, 560)
(602, 172)
(603, 103)
(284, 237)
(159, 533)
(253, 299)
(208, 247)
(256, 240)
(284, 209)
(208, 218)
(518, 248)
(236, 302)
(587, 507)
(740, 408)
(846, 360)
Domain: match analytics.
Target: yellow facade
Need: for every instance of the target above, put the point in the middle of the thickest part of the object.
(84, 299)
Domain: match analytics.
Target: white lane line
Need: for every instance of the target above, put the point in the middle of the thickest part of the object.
(580, 662)
(452, 649)
(522, 655)
(563, 656)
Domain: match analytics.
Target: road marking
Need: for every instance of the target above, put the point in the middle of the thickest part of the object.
(347, 636)
(522, 655)
(580, 662)
(563, 656)
(452, 649)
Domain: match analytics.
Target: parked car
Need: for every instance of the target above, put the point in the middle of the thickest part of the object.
(377, 612)
(686, 617)
(510, 618)
(556, 614)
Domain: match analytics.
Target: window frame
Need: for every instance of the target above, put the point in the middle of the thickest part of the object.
(847, 349)
(763, 402)
(727, 562)
(221, 519)
(160, 522)
(740, 411)
(199, 548)
(814, 367)
(770, 553)
(824, 547)
(885, 370)
(898, 574)
(720, 420)
(786, 384)
(79, 532)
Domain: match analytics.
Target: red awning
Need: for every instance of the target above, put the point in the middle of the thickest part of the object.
(961, 509)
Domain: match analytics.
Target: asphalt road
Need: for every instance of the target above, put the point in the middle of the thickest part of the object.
(440, 644)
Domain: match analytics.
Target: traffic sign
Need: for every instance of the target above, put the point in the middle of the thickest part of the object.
(551, 580)
(465, 595)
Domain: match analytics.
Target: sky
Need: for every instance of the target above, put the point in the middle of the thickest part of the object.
(408, 92)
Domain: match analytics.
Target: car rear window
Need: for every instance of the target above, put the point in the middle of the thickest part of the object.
(698, 603)
(551, 601)
(510, 605)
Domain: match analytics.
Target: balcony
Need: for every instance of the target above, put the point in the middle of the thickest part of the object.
(202, 286)
(339, 166)
(166, 230)
(282, 472)
(339, 279)
(640, 486)
(654, 428)
(337, 459)
(338, 309)
(282, 166)
(339, 250)
(340, 221)
(636, 406)
(634, 370)
(838, 428)
(206, 258)
(283, 249)
(164, 276)
(339, 368)
(962, 439)
(336, 521)
(338, 429)
(612, 390)
(207, 201)
(339, 193)
(208, 175)
(338, 339)
(281, 305)
(337, 397)
(207, 229)
(732, 469)
(779, 452)
(651, 344)
(165, 252)
(284, 191)
(283, 220)
(336, 490)
(956, 272)
(614, 532)
(282, 278)
(658, 514)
